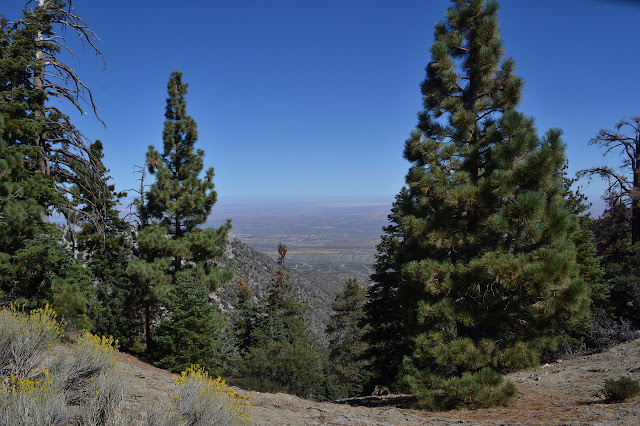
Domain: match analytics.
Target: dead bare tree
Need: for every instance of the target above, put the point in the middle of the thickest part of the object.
(282, 253)
(624, 182)
(137, 214)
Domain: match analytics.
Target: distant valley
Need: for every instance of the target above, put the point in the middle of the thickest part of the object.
(336, 236)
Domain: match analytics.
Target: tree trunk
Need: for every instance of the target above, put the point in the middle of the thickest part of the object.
(147, 327)
(178, 261)
(41, 140)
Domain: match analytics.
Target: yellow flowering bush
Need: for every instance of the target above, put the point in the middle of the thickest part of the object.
(201, 399)
(25, 340)
(38, 388)
(93, 356)
(97, 352)
(90, 387)
(27, 388)
(45, 321)
(92, 382)
(27, 401)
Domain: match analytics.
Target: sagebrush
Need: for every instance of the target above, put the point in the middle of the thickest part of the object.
(89, 387)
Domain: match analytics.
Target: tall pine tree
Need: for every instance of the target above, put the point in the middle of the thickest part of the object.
(171, 246)
(387, 343)
(35, 268)
(485, 267)
(107, 252)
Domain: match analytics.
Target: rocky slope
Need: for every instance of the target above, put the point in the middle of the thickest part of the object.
(257, 270)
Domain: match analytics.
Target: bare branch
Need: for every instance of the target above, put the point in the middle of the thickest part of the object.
(68, 19)
(610, 175)
(489, 112)
(139, 216)
(633, 122)
(82, 213)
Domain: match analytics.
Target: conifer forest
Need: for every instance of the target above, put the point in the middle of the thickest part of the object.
(489, 263)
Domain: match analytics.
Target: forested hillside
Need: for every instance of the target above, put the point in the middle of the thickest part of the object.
(255, 271)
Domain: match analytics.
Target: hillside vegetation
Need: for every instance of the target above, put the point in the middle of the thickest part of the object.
(569, 391)
(256, 270)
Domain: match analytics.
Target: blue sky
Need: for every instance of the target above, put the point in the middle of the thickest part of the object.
(316, 98)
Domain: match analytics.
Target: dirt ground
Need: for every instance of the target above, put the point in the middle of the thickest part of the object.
(566, 392)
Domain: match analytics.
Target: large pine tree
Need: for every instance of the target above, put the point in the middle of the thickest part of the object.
(107, 252)
(386, 340)
(484, 271)
(35, 268)
(170, 244)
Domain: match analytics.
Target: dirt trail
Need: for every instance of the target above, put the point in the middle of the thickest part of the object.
(564, 392)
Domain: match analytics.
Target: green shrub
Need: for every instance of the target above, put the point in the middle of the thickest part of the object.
(483, 389)
(621, 389)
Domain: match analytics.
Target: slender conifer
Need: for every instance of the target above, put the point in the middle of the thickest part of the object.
(170, 243)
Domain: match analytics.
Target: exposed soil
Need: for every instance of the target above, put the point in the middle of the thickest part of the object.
(569, 391)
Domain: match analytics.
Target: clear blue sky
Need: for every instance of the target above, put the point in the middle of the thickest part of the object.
(316, 98)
